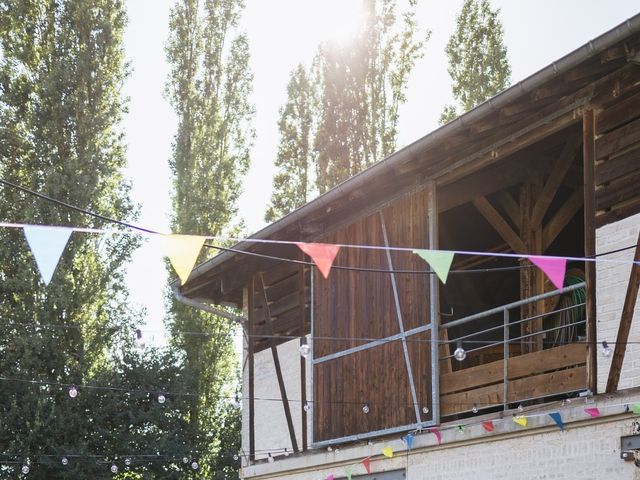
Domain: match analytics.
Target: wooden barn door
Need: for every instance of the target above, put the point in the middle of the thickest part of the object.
(371, 330)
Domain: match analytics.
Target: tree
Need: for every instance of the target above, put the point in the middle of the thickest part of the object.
(478, 63)
(292, 184)
(61, 73)
(361, 85)
(208, 87)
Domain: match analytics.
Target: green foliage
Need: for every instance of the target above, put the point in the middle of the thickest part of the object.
(208, 86)
(478, 62)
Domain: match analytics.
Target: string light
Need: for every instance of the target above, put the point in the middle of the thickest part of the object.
(25, 469)
(474, 409)
(306, 407)
(127, 461)
(114, 468)
(185, 460)
(73, 391)
(425, 409)
(270, 458)
(365, 409)
(195, 465)
(161, 399)
(606, 349)
(520, 408)
(235, 457)
(305, 349)
(64, 461)
(286, 452)
(460, 354)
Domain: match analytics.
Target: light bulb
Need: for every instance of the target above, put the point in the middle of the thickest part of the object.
(114, 468)
(606, 349)
(460, 353)
(271, 459)
(127, 461)
(329, 448)
(306, 407)
(161, 398)
(337, 451)
(235, 457)
(425, 410)
(305, 349)
(73, 391)
(365, 408)
(461, 429)
(474, 409)
(520, 408)
(25, 469)
(195, 465)
(185, 460)
(64, 461)
(286, 452)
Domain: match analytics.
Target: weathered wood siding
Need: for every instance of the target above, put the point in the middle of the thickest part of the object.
(355, 305)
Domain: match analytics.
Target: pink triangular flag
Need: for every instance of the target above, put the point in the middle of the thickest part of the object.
(488, 426)
(367, 464)
(330, 477)
(553, 267)
(437, 433)
(593, 412)
(322, 255)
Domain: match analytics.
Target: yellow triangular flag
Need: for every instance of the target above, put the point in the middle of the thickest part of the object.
(183, 251)
(438, 260)
(520, 420)
(388, 452)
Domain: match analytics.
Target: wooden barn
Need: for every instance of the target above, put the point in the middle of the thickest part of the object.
(550, 166)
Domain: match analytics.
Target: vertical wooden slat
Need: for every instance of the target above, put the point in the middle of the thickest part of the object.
(303, 364)
(588, 157)
(625, 323)
(276, 363)
(250, 353)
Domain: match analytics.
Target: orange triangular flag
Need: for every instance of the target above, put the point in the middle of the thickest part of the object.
(367, 464)
(322, 255)
(488, 426)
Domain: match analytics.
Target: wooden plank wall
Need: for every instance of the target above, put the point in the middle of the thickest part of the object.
(617, 170)
(355, 304)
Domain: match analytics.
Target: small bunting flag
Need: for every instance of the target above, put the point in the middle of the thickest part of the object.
(387, 452)
(437, 433)
(367, 464)
(520, 420)
(322, 254)
(47, 245)
(553, 267)
(183, 251)
(488, 426)
(348, 471)
(330, 476)
(558, 419)
(440, 261)
(593, 412)
(635, 408)
(409, 440)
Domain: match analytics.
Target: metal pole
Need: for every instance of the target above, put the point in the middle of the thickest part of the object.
(432, 212)
(505, 392)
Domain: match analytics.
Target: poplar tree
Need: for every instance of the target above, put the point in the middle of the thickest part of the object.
(208, 86)
(478, 63)
(62, 70)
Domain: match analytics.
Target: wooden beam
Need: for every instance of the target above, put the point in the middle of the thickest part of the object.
(562, 218)
(276, 363)
(250, 354)
(558, 172)
(625, 322)
(499, 224)
(589, 160)
(510, 206)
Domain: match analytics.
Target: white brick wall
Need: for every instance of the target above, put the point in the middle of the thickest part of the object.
(611, 287)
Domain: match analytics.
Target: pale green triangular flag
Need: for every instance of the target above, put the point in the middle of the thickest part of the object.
(438, 260)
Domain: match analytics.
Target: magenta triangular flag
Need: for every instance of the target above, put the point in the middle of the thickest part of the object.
(367, 464)
(593, 412)
(330, 477)
(553, 267)
(437, 433)
(322, 255)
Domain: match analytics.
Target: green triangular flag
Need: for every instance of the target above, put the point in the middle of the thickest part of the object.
(348, 471)
(635, 408)
(438, 260)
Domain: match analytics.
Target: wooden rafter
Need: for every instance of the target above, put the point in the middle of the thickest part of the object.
(562, 218)
(510, 206)
(499, 224)
(276, 362)
(625, 322)
(558, 172)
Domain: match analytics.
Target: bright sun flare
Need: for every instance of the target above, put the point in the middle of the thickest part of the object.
(341, 19)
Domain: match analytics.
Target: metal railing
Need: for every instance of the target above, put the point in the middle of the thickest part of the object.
(504, 311)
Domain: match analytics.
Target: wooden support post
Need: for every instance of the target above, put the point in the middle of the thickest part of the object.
(250, 354)
(589, 160)
(303, 364)
(276, 363)
(625, 322)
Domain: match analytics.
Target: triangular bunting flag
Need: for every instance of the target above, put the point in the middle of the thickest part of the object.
(387, 452)
(438, 260)
(367, 464)
(47, 245)
(322, 255)
(635, 408)
(183, 251)
(488, 426)
(437, 433)
(558, 419)
(409, 440)
(348, 471)
(520, 420)
(593, 412)
(553, 267)
(330, 477)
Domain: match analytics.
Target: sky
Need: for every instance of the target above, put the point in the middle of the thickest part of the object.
(283, 33)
